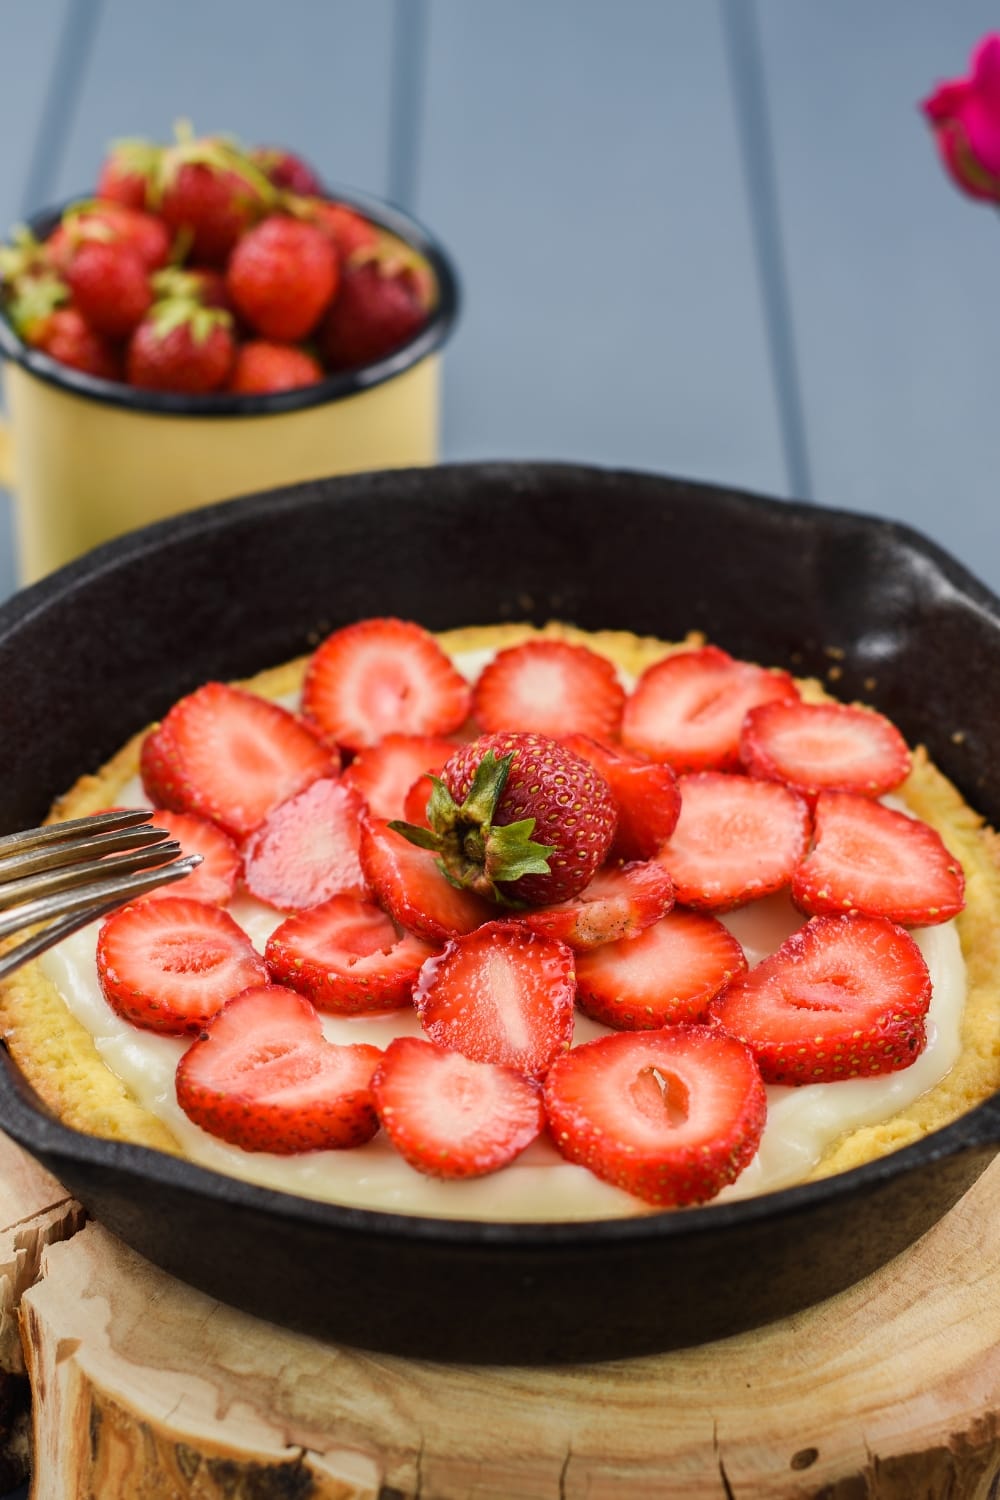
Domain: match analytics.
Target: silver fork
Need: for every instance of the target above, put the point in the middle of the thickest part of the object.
(69, 874)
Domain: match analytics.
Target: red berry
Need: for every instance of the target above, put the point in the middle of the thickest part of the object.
(668, 973)
(407, 882)
(645, 793)
(670, 1116)
(214, 881)
(181, 347)
(128, 173)
(109, 223)
(375, 312)
(871, 859)
(230, 756)
(551, 688)
(736, 839)
(110, 286)
(818, 747)
(65, 336)
(286, 170)
(385, 773)
(306, 849)
(500, 994)
(688, 708)
(281, 277)
(620, 902)
(211, 205)
(262, 1076)
(844, 997)
(347, 956)
(449, 1116)
(383, 676)
(261, 367)
(349, 230)
(169, 965)
(519, 818)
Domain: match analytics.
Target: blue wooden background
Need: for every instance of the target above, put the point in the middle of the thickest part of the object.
(708, 237)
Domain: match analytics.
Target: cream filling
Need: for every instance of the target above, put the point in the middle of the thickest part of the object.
(802, 1122)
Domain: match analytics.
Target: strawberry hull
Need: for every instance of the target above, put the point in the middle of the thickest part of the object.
(330, 552)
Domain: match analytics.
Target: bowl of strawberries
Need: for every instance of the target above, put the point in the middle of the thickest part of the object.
(155, 332)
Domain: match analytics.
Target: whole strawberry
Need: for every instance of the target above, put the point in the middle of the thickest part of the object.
(281, 277)
(129, 172)
(180, 346)
(263, 366)
(210, 194)
(286, 170)
(349, 230)
(110, 286)
(147, 234)
(519, 819)
(381, 304)
(65, 336)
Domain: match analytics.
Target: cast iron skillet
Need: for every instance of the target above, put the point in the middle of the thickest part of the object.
(101, 648)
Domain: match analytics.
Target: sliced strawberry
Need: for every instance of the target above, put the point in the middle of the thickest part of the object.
(214, 881)
(844, 997)
(669, 973)
(346, 955)
(670, 1116)
(306, 850)
(645, 791)
(501, 994)
(263, 1076)
(452, 1117)
(688, 708)
(872, 859)
(384, 773)
(619, 903)
(379, 677)
(736, 839)
(818, 747)
(551, 688)
(230, 756)
(407, 882)
(416, 802)
(169, 965)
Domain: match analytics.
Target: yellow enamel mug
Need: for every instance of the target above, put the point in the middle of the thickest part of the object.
(88, 459)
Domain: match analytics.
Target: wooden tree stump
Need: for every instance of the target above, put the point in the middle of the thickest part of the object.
(35, 1211)
(890, 1391)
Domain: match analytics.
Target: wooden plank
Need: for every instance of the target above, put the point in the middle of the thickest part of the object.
(892, 271)
(31, 32)
(581, 161)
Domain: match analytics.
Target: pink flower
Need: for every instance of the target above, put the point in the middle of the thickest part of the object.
(965, 117)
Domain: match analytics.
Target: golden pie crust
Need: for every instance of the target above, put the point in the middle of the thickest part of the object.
(59, 1059)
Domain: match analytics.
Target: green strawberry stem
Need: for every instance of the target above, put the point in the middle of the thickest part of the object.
(475, 853)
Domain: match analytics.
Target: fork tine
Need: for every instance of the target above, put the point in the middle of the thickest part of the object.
(57, 854)
(123, 888)
(74, 916)
(49, 881)
(52, 833)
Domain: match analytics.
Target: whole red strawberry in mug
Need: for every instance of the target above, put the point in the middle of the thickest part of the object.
(181, 346)
(519, 819)
(281, 277)
(382, 302)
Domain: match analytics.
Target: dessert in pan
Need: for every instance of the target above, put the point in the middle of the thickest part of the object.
(520, 924)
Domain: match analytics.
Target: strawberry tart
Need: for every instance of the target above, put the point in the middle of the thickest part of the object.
(528, 925)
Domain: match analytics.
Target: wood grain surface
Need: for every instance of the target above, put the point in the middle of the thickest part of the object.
(890, 1391)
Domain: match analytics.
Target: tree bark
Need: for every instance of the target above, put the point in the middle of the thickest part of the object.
(890, 1391)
